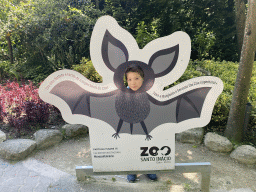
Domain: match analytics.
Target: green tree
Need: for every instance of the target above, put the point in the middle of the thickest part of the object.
(12, 18)
(204, 41)
(125, 12)
(145, 34)
(49, 35)
(214, 17)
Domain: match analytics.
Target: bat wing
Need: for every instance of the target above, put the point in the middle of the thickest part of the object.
(186, 106)
(82, 102)
(76, 97)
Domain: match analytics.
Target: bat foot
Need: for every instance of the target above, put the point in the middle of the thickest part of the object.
(148, 137)
(115, 135)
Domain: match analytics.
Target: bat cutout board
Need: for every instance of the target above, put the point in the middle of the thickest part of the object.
(133, 128)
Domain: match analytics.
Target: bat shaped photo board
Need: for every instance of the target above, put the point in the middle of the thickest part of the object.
(133, 128)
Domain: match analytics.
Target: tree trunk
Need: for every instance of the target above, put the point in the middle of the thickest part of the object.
(8, 38)
(240, 23)
(234, 130)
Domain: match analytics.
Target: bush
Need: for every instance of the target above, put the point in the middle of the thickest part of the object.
(36, 112)
(6, 70)
(37, 69)
(204, 40)
(227, 72)
(86, 69)
(20, 105)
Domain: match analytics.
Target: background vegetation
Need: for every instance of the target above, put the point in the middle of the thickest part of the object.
(38, 37)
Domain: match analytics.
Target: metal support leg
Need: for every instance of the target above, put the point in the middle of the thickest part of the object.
(204, 168)
(205, 182)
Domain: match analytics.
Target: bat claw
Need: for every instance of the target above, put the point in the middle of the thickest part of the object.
(115, 135)
(148, 137)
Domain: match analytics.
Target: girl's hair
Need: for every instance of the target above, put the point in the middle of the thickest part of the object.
(134, 68)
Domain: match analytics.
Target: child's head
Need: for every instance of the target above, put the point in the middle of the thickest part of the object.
(134, 76)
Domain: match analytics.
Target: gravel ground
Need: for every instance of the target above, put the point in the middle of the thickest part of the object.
(227, 174)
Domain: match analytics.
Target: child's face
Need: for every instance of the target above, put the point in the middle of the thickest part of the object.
(134, 80)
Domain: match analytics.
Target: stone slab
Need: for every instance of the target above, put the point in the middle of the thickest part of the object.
(2, 136)
(16, 149)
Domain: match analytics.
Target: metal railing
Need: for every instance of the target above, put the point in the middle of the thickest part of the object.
(204, 168)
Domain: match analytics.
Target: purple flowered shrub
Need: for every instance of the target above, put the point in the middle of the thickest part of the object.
(37, 111)
(21, 105)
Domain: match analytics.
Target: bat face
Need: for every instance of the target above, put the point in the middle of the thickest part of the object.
(149, 77)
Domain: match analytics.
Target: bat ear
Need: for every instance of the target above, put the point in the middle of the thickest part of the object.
(163, 61)
(113, 51)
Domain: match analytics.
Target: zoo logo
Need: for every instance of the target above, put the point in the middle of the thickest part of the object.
(153, 151)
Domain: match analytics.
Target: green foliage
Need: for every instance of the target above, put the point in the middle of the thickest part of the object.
(50, 35)
(37, 69)
(187, 187)
(4, 69)
(12, 14)
(190, 73)
(8, 71)
(145, 34)
(69, 37)
(125, 12)
(204, 41)
(217, 17)
(214, 19)
(227, 72)
(47, 35)
(87, 69)
(113, 179)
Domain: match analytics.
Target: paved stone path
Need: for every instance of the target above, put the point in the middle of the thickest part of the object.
(32, 175)
(25, 176)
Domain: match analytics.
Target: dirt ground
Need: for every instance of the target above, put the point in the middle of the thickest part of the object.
(226, 173)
